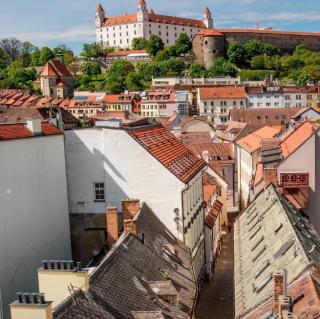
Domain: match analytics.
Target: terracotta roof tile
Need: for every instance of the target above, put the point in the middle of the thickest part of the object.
(225, 93)
(125, 52)
(125, 19)
(16, 131)
(176, 20)
(297, 138)
(213, 214)
(196, 137)
(55, 68)
(252, 142)
(219, 151)
(299, 197)
(169, 151)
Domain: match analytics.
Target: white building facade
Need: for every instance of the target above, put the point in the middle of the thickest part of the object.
(34, 218)
(119, 31)
(105, 170)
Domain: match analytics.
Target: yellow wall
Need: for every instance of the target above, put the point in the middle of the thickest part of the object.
(31, 312)
(54, 283)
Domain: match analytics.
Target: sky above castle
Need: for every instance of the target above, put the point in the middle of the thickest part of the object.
(71, 22)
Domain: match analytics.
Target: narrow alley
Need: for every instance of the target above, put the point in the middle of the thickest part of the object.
(216, 298)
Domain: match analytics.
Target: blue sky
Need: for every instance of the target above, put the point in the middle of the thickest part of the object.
(71, 22)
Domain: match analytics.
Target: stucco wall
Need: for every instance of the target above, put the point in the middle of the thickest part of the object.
(34, 222)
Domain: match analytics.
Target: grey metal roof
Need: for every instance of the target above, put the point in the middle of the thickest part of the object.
(270, 235)
(124, 284)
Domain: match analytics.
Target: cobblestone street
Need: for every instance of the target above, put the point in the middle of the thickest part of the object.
(216, 298)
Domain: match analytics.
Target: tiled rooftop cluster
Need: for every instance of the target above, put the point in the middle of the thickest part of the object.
(149, 278)
(168, 150)
(270, 235)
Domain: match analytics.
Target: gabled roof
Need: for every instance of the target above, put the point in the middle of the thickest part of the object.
(297, 138)
(17, 131)
(169, 151)
(270, 235)
(252, 142)
(55, 68)
(195, 137)
(122, 284)
(223, 152)
(225, 93)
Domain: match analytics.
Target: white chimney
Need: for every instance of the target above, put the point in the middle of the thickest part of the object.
(34, 125)
(205, 156)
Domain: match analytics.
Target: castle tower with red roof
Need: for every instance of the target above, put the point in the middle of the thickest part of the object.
(119, 31)
(56, 80)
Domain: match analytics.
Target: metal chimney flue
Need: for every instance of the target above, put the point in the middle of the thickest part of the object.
(41, 298)
(19, 295)
(45, 264)
(34, 298)
(26, 298)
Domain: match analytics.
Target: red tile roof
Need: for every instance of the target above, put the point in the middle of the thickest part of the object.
(224, 93)
(252, 142)
(210, 32)
(169, 151)
(304, 292)
(132, 17)
(16, 131)
(211, 218)
(223, 151)
(297, 138)
(298, 197)
(196, 137)
(55, 68)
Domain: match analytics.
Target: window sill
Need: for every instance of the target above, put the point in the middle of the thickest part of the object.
(99, 201)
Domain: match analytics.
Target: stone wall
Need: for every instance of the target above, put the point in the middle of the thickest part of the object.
(207, 47)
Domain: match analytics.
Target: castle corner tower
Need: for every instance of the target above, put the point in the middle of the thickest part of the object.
(207, 18)
(142, 13)
(100, 16)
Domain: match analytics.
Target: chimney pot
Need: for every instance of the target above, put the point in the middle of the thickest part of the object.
(130, 207)
(26, 298)
(45, 264)
(58, 264)
(130, 227)
(64, 264)
(41, 298)
(79, 266)
(52, 264)
(34, 298)
(70, 264)
(19, 294)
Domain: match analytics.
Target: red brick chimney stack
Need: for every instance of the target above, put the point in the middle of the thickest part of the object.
(129, 208)
(278, 282)
(130, 226)
(270, 177)
(112, 223)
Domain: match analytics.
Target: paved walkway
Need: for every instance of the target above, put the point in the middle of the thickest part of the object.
(216, 297)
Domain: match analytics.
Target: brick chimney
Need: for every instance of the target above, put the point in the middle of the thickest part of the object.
(130, 226)
(278, 281)
(56, 277)
(270, 176)
(30, 306)
(112, 222)
(129, 208)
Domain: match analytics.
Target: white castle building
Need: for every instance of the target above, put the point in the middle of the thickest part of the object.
(119, 31)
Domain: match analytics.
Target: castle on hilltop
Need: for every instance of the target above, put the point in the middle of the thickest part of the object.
(119, 31)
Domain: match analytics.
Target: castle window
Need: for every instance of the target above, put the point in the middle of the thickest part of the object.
(167, 34)
(159, 32)
(167, 40)
(206, 42)
(120, 27)
(159, 26)
(182, 29)
(135, 32)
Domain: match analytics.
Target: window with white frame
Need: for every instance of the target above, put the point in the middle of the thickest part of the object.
(99, 192)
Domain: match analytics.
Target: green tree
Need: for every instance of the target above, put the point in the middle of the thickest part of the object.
(117, 74)
(26, 53)
(3, 62)
(139, 43)
(221, 67)
(196, 70)
(92, 50)
(183, 44)
(147, 71)
(162, 56)
(155, 44)
(91, 68)
(172, 67)
(134, 82)
(258, 62)
(35, 57)
(237, 53)
(46, 54)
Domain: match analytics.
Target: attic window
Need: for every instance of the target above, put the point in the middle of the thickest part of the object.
(263, 284)
(257, 243)
(250, 212)
(252, 219)
(263, 268)
(278, 228)
(255, 233)
(255, 257)
(254, 225)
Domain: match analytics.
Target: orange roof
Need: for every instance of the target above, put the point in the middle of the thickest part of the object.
(252, 142)
(126, 52)
(129, 18)
(213, 214)
(16, 131)
(223, 92)
(169, 151)
(210, 32)
(60, 83)
(132, 17)
(297, 138)
(55, 68)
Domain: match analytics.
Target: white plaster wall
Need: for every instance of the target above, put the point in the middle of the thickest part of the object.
(127, 169)
(265, 100)
(34, 220)
(303, 160)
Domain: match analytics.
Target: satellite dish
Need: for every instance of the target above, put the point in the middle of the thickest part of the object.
(176, 211)
(176, 219)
